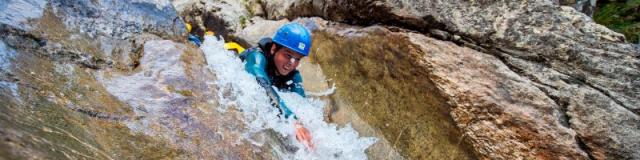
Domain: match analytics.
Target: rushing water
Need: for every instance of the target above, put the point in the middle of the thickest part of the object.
(239, 89)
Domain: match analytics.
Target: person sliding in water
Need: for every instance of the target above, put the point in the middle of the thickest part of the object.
(273, 62)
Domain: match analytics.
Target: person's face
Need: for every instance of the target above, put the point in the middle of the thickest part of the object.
(285, 59)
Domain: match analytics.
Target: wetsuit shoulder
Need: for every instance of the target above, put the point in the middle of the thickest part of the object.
(297, 83)
(256, 62)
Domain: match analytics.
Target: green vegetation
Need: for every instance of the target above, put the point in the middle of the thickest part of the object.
(621, 16)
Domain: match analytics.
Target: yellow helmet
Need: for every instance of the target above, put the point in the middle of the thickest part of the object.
(188, 27)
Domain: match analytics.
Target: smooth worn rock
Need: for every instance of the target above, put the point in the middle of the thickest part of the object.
(57, 110)
(375, 74)
(172, 90)
(91, 80)
(166, 108)
(97, 34)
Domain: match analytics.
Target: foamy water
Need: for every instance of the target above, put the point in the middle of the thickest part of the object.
(238, 88)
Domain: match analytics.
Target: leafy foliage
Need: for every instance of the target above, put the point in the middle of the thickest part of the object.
(621, 16)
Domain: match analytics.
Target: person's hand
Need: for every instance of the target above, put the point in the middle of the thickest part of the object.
(303, 135)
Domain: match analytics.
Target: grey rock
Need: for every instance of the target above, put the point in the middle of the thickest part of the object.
(119, 19)
(255, 7)
(18, 13)
(258, 29)
(605, 128)
(503, 113)
(220, 16)
(107, 33)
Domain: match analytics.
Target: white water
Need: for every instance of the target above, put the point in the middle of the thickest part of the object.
(238, 88)
(327, 92)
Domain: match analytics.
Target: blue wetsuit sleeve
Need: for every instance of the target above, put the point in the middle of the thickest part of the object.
(194, 39)
(256, 65)
(297, 84)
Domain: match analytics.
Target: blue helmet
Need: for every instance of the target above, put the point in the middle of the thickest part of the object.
(295, 37)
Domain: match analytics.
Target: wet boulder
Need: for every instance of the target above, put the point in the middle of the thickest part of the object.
(96, 34)
(173, 94)
(60, 62)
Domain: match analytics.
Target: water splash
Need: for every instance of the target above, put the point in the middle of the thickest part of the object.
(238, 88)
(327, 92)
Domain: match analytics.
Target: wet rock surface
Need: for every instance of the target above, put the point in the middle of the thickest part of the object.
(389, 92)
(172, 90)
(97, 34)
(56, 110)
(93, 80)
